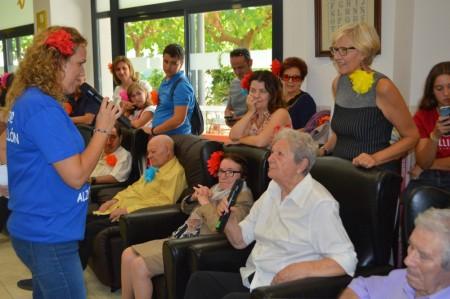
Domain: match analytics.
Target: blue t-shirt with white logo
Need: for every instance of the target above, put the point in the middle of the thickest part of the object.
(43, 207)
(183, 96)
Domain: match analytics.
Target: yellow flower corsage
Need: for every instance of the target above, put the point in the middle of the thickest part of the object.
(362, 81)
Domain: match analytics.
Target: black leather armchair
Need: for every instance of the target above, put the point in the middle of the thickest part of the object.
(177, 266)
(417, 201)
(368, 205)
(151, 223)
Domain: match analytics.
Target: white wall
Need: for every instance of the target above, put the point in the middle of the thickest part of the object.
(414, 36)
(74, 13)
(12, 16)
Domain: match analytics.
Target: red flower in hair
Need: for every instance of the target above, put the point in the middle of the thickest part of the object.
(111, 160)
(61, 40)
(4, 80)
(110, 68)
(276, 67)
(245, 82)
(214, 162)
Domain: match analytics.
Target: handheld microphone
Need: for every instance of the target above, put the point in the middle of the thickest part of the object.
(232, 197)
(90, 91)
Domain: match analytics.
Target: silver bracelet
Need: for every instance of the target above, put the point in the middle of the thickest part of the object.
(101, 131)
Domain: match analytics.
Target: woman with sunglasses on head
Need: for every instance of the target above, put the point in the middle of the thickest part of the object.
(143, 261)
(367, 104)
(300, 104)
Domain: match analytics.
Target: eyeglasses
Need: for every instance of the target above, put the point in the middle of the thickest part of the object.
(294, 78)
(228, 173)
(341, 50)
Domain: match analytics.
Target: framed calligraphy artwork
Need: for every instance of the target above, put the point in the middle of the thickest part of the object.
(332, 14)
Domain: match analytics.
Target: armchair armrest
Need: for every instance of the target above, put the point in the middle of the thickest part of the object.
(176, 266)
(146, 224)
(217, 255)
(315, 287)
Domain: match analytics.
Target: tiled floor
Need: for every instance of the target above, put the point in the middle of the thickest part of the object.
(11, 270)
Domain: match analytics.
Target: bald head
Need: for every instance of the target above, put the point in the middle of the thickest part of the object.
(160, 150)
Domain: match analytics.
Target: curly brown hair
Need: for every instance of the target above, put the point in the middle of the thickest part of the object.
(42, 66)
(134, 75)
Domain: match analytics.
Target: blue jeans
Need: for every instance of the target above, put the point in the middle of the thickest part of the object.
(55, 268)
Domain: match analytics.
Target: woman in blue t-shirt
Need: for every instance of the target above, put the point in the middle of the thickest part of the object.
(48, 165)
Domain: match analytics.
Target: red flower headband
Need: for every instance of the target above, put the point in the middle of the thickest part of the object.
(214, 162)
(4, 80)
(60, 40)
(110, 67)
(275, 68)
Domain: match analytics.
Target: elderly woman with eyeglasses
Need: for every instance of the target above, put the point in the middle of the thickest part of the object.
(367, 104)
(300, 104)
(143, 261)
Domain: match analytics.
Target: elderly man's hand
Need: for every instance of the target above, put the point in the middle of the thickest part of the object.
(115, 215)
(106, 205)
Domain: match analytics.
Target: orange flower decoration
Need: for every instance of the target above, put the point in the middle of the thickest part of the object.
(111, 160)
(323, 119)
(110, 67)
(60, 40)
(154, 97)
(68, 108)
(214, 162)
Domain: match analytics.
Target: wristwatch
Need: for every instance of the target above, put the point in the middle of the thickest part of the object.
(152, 131)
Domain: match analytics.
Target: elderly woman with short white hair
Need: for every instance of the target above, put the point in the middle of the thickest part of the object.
(295, 224)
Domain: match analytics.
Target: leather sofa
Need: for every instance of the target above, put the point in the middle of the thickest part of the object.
(193, 153)
(368, 202)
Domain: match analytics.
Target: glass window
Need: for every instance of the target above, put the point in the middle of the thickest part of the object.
(102, 5)
(15, 50)
(134, 3)
(105, 57)
(145, 42)
(2, 63)
(213, 35)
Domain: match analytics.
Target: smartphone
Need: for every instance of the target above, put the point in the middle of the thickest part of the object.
(444, 111)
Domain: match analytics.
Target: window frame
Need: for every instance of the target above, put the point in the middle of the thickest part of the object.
(119, 17)
(14, 32)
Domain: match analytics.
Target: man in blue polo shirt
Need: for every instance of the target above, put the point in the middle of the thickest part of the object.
(176, 96)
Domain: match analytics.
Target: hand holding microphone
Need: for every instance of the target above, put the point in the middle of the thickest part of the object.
(106, 106)
(232, 197)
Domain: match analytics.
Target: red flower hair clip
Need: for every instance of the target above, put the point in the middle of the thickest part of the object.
(111, 160)
(276, 67)
(323, 119)
(60, 40)
(4, 80)
(245, 82)
(110, 68)
(214, 162)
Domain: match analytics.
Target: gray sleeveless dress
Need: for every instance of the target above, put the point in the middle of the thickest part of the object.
(359, 124)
